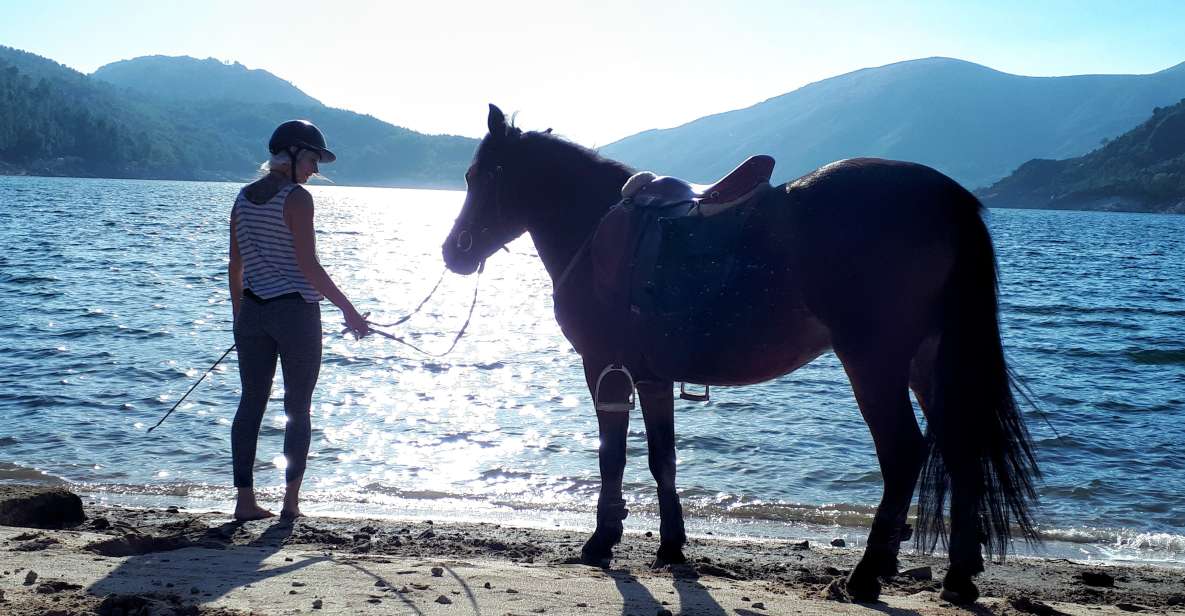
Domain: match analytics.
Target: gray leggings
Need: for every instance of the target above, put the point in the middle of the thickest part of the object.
(289, 328)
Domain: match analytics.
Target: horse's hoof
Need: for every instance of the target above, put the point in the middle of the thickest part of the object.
(596, 556)
(959, 590)
(598, 551)
(594, 560)
(862, 587)
(670, 554)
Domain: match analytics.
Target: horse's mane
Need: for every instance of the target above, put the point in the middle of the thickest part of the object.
(569, 154)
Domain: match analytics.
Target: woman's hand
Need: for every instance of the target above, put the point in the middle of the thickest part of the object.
(356, 323)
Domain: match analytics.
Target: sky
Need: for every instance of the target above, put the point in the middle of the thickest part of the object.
(595, 71)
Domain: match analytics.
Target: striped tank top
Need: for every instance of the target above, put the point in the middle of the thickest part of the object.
(265, 245)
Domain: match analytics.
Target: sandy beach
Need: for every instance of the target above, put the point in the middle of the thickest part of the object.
(123, 561)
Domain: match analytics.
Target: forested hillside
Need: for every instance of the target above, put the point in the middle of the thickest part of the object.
(57, 121)
(1141, 170)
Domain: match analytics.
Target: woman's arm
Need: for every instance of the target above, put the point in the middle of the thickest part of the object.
(234, 270)
(298, 215)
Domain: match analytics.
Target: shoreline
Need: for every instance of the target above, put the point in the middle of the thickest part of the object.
(160, 556)
(1102, 545)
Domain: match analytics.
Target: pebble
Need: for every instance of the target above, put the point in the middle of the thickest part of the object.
(30, 577)
(299, 584)
(511, 591)
(437, 571)
(487, 585)
(759, 606)
(582, 604)
(443, 600)
(922, 574)
(839, 543)
(317, 604)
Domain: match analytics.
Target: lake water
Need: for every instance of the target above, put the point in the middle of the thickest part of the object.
(115, 302)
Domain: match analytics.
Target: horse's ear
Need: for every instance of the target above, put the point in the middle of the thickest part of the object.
(497, 121)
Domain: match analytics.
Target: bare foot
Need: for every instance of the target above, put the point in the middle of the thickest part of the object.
(290, 514)
(254, 512)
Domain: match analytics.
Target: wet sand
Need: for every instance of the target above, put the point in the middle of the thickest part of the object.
(121, 560)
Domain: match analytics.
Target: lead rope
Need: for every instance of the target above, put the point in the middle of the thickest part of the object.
(456, 339)
(381, 333)
(204, 374)
(411, 314)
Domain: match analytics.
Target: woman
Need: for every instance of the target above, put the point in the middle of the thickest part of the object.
(276, 284)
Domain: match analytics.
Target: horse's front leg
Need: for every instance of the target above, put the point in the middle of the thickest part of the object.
(611, 511)
(658, 411)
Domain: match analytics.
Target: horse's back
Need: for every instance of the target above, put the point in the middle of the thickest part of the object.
(873, 242)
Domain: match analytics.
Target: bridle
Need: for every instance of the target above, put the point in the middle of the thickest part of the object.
(465, 237)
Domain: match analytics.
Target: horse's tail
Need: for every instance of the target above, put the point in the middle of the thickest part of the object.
(973, 408)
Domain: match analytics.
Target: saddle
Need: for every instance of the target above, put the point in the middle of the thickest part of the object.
(663, 259)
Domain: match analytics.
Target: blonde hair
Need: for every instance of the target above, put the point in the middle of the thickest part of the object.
(282, 161)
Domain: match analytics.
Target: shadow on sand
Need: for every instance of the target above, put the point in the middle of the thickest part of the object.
(154, 558)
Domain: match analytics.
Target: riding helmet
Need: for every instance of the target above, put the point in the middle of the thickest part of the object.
(300, 134)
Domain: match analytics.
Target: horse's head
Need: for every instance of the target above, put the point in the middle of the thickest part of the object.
(490, 217)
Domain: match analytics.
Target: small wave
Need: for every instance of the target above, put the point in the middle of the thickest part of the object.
(1062, 310)
(27, 279)
(1123, 542)
(1158, 357)
(17, 473)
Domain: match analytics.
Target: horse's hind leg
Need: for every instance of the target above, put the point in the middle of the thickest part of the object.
(658, 411)
(880, 380)
(965, 486)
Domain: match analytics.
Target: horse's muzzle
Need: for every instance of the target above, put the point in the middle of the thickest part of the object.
(457, 260)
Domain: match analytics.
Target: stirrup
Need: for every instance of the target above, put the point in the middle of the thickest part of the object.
(617, 405)
(686, 395)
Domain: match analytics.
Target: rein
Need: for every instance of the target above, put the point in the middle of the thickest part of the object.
(456, 338)
(563, 277)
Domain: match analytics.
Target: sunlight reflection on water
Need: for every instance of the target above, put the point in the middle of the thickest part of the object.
(130, 318)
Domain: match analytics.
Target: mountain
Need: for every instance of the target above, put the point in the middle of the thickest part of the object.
(57, 121)
(1142, 170)
(190, 79)
(974, 123)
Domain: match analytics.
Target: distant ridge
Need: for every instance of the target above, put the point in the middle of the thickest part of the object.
(1142, 170)
(187, 119)
(190, 79)
(972, 122)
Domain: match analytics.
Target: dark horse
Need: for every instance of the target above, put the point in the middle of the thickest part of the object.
(887, 263)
